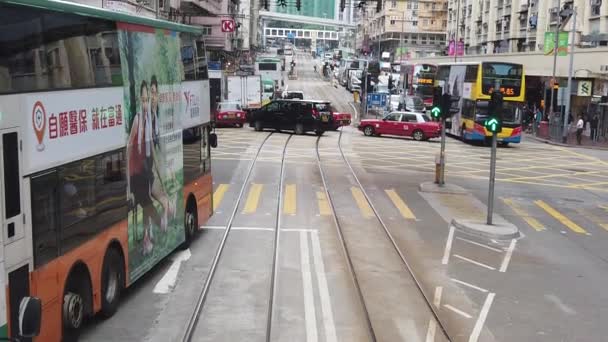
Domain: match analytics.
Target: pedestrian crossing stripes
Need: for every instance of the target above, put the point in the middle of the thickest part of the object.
(535, 215)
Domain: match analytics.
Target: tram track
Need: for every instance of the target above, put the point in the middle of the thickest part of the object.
(203, 295)
(349, 256)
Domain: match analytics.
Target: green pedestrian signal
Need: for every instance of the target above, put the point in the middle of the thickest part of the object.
(436, 112)
(493, 125)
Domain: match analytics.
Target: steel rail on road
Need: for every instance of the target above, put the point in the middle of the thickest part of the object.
(351, 268)
(406, 264)
(200, 303)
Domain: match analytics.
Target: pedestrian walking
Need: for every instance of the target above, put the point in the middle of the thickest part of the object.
(580, 125)
(537, 119)
(595, 121)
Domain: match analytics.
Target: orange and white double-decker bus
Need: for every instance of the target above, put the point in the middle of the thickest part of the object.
(104, 155)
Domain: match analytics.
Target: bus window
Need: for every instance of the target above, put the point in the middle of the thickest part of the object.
(44, 218)
(510, 113)
(267, 66)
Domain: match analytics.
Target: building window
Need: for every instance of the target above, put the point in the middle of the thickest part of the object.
(433, 6)
(415, 13)
(409, 5)
(414, 23)
(394, 3)
(207, 30)
(392, 22)
(425, 22)
(416, 5)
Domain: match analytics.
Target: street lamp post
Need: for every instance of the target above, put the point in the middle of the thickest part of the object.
(457, 29)
(555, 43)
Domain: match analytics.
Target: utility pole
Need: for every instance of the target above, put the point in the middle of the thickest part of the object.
(457, 29)
(569, 89)
(555, 43)
(494, 125)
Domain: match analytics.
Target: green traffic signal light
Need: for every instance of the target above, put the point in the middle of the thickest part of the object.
(436, 112)
(493, 125)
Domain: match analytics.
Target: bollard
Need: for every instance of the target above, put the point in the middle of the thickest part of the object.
(356, 96)
(438, 168)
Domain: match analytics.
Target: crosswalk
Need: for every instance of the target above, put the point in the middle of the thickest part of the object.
(529, 214)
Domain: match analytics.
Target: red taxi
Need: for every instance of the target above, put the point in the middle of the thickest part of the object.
(230, 114)
(416, 125)
(341, 119)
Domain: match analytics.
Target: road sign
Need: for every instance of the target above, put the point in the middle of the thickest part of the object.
(376, 99)
(228, 25)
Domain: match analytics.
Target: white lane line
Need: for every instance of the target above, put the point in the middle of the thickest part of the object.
(448, 246)
(460, 312)
(214, 227)
(482, 317)
(328, 315)
(167, 282)
(254, 228)
(299, 230)
(480, 244)
(469, 285)
(437, 298)
(507, 258)
(430, 333)
(474, 262)
(309, 300)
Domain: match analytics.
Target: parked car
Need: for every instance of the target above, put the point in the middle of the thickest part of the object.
(230, 114)
(416, 125)
(300, 116)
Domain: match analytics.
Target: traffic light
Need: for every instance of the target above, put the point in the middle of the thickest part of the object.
(436, 110)
(342, 5)
(379, 5)
(494, 121)
(446, 105)
(298, 4)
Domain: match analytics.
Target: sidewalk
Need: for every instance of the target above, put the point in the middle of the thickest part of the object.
(571, 142)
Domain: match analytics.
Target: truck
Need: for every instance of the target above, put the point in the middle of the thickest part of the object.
(245, 90)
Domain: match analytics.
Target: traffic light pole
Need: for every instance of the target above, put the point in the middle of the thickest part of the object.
(442, 154)
(492, 178)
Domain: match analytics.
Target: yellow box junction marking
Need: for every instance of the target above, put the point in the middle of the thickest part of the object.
(324, 208)
(218, 195)
(560, 217)
(531, 221)
(400, 204)
(366, 210)
(290, 201)
(253, 198)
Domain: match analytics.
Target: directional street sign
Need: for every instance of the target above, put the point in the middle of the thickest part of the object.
(227, 25)
(376, 100)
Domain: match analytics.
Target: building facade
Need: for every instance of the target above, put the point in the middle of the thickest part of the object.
(312, 8)
(407, 29)
(504, 26)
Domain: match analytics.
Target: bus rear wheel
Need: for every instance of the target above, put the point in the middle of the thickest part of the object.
(112, 282)
(190, 222)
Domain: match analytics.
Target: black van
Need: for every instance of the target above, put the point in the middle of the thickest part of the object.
(300, 116)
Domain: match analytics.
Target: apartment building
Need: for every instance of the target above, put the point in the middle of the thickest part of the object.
(407, 28)
(502, 26)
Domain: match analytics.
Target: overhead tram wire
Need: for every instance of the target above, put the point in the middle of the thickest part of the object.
(200, 303)
(407, 265)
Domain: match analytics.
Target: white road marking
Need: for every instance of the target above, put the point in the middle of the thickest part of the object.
(475, 262)
(407, 330)
(214, 227)
(507, 258)
(254, 228)
(480, 244)
(309, 301)
(167, 282)
(437, 298)
(299, 230)
(328, 316)
(469, 285)
(430, 333)
(482, 317)
(460, 312)
(448, 246)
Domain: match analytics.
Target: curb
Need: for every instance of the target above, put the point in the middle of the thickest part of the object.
(555, 143)
(450, 189)
(499, 231)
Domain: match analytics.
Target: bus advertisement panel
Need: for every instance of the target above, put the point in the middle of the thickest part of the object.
(152, 98)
